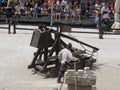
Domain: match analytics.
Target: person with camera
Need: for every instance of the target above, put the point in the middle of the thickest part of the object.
(105, 13)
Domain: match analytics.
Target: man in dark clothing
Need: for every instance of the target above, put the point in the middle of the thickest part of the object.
(9, 15)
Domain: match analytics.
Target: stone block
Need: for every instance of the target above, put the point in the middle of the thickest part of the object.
(72, 87)
(70, 73)
(86, 81)
(85, 77)
(80, 73)
(80, 81)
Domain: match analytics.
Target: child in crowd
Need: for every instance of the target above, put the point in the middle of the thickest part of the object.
(58, 12)
(36, 10)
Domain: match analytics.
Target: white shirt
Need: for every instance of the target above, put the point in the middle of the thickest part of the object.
(105, 9)
(106, 16)
(65, 55)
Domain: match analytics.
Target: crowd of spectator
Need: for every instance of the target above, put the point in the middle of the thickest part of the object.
(68, 9)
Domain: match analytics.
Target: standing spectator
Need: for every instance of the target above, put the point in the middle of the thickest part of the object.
(83, 7)
(49, 6)
(3, 2)
(9, 17)
(72, 2)
(49, 3)
(111, 6)
(36, 10)
(97, 16)
(105, 16)
(58, 12)
(105, 11)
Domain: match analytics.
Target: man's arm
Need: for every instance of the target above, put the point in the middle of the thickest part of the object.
(60, 56)
(71, 57)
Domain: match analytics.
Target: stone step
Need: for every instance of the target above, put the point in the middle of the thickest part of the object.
(27, 88)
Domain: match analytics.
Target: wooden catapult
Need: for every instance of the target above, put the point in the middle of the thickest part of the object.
(45, 58)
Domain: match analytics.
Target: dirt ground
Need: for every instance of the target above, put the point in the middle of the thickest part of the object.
(16, 54)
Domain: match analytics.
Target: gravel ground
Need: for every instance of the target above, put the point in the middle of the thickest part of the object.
(16, 54)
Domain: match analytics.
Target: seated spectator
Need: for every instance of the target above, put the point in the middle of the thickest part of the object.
(54, 11)
(44, 10)
(73, 13)
(22, 10)
(67, 13)
(57, 2)
(17, 10)
(28, 8)
(11, 2)
(49, 6)
(64, 3)
(78, 12)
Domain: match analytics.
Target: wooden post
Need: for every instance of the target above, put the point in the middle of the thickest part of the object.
(14, 27)
(32, 65)
(51, 22)
(9, 28)
(100, 28)
(45, 54)
(58, 45)
(75, 75)
(100, 33)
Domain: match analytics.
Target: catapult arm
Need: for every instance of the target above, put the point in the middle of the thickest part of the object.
(71, 38)
(94, 48)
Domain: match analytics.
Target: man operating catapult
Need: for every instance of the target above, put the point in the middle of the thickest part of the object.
(65, 56)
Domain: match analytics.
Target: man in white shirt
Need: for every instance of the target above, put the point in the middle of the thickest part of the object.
(65, 56)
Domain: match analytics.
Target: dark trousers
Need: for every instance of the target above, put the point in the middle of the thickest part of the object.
(60, 75)
(62, 70)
